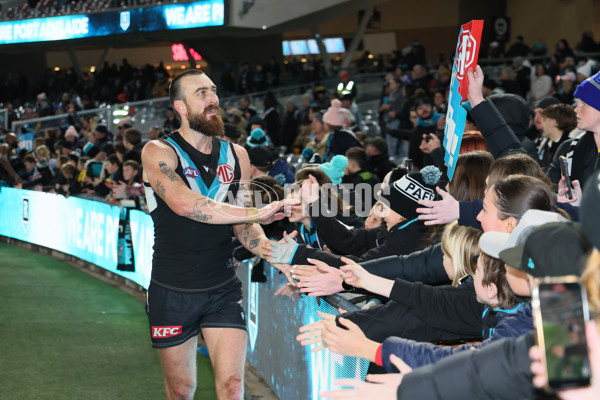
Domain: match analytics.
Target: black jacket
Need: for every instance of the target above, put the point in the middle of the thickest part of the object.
(498, 371)
(423, 266)
(426, 314)
(358, 182)
(397, 241)
(585, 159)
(381, 165)
(342, 240)
(499, 137)
(339, 142)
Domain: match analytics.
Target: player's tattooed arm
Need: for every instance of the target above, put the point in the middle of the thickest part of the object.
(168, 171)
(244, 195)
(198, 212)
(250, 236)
(159, 189)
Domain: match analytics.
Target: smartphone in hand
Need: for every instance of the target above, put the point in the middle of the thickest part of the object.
(560, 312)
(564, 168)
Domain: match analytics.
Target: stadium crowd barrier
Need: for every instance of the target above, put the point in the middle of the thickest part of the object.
(93, 231)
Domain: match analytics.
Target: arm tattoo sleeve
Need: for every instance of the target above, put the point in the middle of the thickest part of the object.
(168, 171)
(244, 198)
(160, 189)
(196, 214)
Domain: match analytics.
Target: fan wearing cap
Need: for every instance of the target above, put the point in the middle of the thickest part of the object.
(504, 368)
(103, 138)
(339, 140)
(347, 103)
(591, 280)
(495, 287)
(264, 162)
(583, 152)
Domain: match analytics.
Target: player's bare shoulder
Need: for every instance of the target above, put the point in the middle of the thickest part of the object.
(240, 151)
(156, 153)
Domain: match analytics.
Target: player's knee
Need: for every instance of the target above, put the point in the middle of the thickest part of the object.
(232, 388)
(182, 390)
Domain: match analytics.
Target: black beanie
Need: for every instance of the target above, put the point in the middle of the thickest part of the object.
(515, 111)
(403, 194)
(546, 102)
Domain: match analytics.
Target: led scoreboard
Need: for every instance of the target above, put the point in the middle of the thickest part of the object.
(198, 14)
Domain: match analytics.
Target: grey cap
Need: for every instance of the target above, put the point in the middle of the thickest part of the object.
(492, 243)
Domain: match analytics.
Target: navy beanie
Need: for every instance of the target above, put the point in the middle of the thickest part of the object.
(589, 91)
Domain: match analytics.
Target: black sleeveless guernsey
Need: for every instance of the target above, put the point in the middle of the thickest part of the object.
(190, 255)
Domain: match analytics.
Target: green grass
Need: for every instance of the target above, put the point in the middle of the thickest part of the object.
(66, 335)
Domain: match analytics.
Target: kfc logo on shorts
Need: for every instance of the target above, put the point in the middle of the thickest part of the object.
(161, 332)
(191, 172)
(224, 173)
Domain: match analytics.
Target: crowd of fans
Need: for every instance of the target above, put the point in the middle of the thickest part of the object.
(403, 224)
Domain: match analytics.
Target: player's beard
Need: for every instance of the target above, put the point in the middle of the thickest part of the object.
(209, 126)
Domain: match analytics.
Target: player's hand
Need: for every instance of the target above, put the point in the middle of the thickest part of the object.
(270, 213)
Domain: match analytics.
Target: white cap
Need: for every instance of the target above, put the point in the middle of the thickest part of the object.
(492, 243)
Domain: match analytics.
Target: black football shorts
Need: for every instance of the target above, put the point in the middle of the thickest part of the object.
(176, 316)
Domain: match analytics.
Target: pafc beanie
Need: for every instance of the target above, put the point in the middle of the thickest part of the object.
(403, 194)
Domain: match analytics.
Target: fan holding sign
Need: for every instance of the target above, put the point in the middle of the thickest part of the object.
(465, 58)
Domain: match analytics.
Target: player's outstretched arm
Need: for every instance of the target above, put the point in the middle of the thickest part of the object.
(251, 235)
(159, 162)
